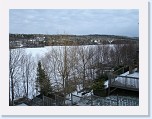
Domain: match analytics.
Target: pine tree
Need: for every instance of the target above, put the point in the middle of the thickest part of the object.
(98, 86)
(43, 84)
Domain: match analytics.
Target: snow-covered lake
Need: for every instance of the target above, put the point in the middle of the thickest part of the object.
(40, 51)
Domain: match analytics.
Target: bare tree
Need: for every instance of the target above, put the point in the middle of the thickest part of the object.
(61, 65)
(21, 73)
(102, 58)
(84, 54)
(15, 58)
(28, 70)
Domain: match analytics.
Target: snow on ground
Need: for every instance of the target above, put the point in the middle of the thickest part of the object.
(135, 74)
(77, 95)
(22, 104)
(89, 99)
(106, 83)
(103, 101)
(77, 92)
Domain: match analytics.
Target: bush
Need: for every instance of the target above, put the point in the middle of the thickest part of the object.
(101, 93)
(98, 86)
(103, 77)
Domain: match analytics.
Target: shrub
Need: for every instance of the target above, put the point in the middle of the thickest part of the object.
(98, 86)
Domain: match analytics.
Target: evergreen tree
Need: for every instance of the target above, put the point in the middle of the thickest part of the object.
(43, 84)
(98, 86)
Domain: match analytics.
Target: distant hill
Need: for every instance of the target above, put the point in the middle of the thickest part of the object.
(60, 39)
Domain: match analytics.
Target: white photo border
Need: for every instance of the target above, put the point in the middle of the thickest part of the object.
(141, 5)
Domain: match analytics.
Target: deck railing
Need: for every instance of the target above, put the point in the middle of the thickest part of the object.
(124, 82)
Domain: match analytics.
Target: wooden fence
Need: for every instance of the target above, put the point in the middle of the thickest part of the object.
(105, 101)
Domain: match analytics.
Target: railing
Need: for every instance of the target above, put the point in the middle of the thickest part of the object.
(37, 101)
(91, 100)
(105, 101)
(47, 101)
(127, 82)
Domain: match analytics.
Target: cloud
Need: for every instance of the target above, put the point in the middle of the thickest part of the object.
(74, 21)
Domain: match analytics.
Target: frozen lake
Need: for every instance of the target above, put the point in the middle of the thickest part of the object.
(42, 50)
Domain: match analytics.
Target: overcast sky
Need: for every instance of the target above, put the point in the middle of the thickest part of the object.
(74, 21)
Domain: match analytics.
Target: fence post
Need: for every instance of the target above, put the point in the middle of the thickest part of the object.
(13, 103)
(109, 82)
(125, 81)
(123, 70)
(55, 100)
(43, 100)
(91, 100)
(117, 100)
(71, 99)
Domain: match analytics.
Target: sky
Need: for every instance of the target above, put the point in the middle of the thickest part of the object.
(75, 21)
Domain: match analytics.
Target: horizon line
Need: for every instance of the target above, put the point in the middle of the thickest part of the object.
(74, 34)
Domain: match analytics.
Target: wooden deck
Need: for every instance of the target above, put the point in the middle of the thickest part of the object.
(123, 82)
